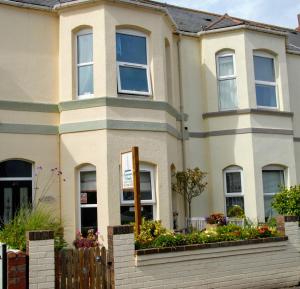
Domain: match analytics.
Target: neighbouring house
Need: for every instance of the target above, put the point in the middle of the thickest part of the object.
(83, 81)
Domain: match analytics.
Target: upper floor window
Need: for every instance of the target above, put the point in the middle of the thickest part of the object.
(132, 63)
(265, 83)
(233, 187)
(226, 81)
(85, 79)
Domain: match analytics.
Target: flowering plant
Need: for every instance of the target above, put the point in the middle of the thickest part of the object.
(91, 240)
(216, 218)
(264, 231)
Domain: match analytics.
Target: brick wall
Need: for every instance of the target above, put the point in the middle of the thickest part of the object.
(16, 270)
(253, 265)
(40, 248)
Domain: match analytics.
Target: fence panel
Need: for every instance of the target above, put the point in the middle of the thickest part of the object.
(3, 267)
(83, 268)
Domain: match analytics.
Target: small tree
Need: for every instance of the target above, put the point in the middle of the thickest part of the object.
(190, 184)
(287, 201)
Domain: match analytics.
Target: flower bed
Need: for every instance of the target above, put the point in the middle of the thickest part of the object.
(153, 235)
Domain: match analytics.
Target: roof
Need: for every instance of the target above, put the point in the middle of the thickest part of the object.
(189, 20)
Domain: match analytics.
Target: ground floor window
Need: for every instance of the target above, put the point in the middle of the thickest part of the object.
(88, 199)
(147, 189)
(233, 187)
(15, 188)
(273, 178)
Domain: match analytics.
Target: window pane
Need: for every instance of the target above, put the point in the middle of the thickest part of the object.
(88, 181)
(226, 66)
(85, 80)
(272, 180)
(88, 219)
(131, 48)
(266, 95)
(15, 168)
(264, 69)
(269, 211)
(127, 213)
(146, 190)
(227, 91)
(233, 201)
(133, 79)
(233, 182)
(85, 48)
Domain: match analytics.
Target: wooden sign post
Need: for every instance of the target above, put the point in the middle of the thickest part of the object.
(131, 181)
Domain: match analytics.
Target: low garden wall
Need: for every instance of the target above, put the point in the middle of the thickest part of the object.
(262, 263)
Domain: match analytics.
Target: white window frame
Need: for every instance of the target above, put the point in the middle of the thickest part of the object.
(152, 202)
(134, 65)
(233, 169)
(227, 77)
(87, 168)
(274, 170)
(266, 83)
(80, 33)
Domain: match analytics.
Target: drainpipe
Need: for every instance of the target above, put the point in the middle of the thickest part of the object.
(182, 114)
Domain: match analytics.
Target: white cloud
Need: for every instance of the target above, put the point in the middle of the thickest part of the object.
(276, 12)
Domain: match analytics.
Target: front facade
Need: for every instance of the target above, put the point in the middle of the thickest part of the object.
(82, 82)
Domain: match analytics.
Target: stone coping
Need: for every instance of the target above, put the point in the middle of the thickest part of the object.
(120, 230)
(39, 235)
(289, 219)
(209, 245)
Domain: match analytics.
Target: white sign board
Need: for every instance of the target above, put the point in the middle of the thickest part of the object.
(127, 171)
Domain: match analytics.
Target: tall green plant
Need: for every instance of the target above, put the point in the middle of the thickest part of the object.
(190, 184)
(287, 201)
(29, 219)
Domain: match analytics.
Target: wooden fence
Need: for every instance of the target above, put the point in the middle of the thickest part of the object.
(84, 268)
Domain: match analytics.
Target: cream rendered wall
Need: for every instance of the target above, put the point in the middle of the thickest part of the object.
(28, 55)
(41, 150)
(293, 64)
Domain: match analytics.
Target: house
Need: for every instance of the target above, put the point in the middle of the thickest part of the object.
(82, 81)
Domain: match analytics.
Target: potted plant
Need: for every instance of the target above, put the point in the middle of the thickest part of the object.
(236, 215)
(215, 220)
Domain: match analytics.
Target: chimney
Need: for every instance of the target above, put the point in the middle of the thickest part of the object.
(298, 28)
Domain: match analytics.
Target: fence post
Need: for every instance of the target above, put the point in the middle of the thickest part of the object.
(40, 249)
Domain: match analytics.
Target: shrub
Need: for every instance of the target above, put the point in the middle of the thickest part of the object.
(287, 201)
(29, 219)
(235, 211)
(216, 218)
(91, 240)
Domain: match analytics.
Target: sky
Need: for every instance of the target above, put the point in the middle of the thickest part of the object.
(275, 12)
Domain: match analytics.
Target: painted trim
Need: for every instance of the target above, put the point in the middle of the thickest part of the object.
(120, 102)
(241, 131)
(296, 139)
(28, 106)
(247, 111)
(118, 125)
(28, 129)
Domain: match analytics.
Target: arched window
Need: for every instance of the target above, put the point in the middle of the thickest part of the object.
(273, 178)
(132, 62)
(87, 199)
(226, 73)
(84, 63)
(233, 185)
(265, 80)
(15, 187)
(148, 196)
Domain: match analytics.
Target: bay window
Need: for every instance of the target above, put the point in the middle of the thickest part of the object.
(147, 191)
(87, 199)
(226, 81)
(273, 178)
(265, 83)
(132, 63)
(234, 194)
(85, 78)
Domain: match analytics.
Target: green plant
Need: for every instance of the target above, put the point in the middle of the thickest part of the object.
(287, 201)
(235, 211)
(190, 184)
(29, 219)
